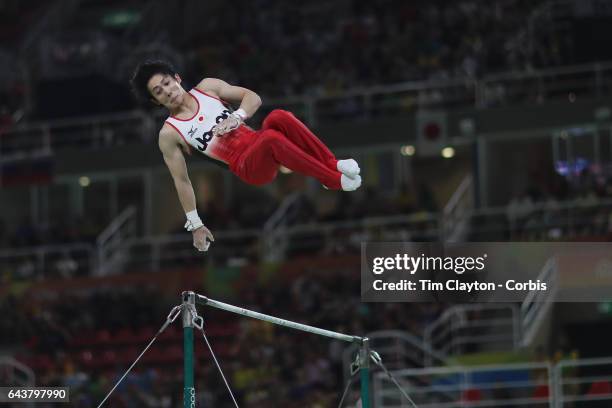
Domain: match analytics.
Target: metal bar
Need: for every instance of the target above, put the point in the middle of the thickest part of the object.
(576, 398)
(586, 380)
(188, 388)
(516, 329)
(364, 367)
(484, 322)
(557, 387)
(115, 225)
(585, 362)
(203, 300)
(551, 385)
(480, 368)
(506, 385)
(378, 391)
(45, 248)
(526, 402)
(480, 339)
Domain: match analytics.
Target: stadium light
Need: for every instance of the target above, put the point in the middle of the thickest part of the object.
(84, 181)
(407, 150)
(448, 152)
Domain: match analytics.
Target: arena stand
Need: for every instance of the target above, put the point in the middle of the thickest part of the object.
(94, 302)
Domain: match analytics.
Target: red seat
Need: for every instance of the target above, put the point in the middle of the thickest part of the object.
(81, 341)
(541, 392)
(127, 356)
(600, 388)
(41, 363)
(106, 359)
(172, 332)
(85, 358)
(102, 337)
(471, 395)
(163, 355)
(145, 334)
(124, 336)
(173, 354)
(152, 355)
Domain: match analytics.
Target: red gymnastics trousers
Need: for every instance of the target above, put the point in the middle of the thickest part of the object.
(282, 140)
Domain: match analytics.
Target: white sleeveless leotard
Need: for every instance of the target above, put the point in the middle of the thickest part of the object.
(197, 131)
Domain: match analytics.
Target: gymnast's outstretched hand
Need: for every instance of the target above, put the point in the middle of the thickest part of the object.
(202, 237)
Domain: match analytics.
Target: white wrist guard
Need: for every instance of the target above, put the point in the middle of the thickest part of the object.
(241, 113)
(193, 221)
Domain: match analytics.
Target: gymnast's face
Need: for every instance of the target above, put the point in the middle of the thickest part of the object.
(166, 90)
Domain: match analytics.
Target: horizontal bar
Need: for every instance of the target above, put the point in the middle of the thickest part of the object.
(468, 370)
(45, 249)
(600, 397)
(529, 402)
(583, 380)
(203, 300)
(584, 362)
(462, 386)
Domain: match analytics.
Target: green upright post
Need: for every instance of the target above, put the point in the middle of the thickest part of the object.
(364, 371)
(189, 397)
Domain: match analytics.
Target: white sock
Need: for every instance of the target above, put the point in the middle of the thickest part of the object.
(350, 184)
(348, 167)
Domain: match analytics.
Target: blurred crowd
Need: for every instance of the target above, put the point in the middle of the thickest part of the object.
(52, 248)
(77, 339)
(578, 208)
(50, 232)
(540, 214)
(278, 48)
(265, 364)
(55, 248)
(285, 48)
(234, 215)
(322, 224)
(327, 47)
(319, 208)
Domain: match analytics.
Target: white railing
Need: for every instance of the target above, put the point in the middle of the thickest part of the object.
(568, 383)
(499, 89)
(151, 253)
(35, 139)
(490, 326)
(586, 382)
(456, 331)
(397, 349)
(117, 247)
(545, 221)
(454, 213)
(14, 373)
(45, 261)
(458, 387)
(155, 250)
(110, 244)
(537, 303)
(275, 227)
(589, 79)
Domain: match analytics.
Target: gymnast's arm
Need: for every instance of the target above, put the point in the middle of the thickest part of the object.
(247, 100)
(173, 156)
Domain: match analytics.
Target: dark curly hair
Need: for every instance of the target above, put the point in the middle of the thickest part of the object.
(143, 73)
